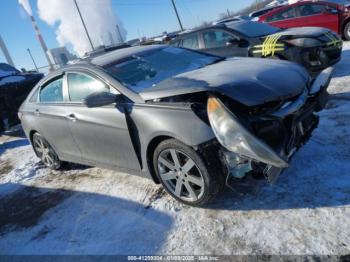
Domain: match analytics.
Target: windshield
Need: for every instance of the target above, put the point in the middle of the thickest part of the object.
(253, 29)
(261, 12)
(147, 69)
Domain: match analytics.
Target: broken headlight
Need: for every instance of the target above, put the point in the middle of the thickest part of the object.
(236, 138)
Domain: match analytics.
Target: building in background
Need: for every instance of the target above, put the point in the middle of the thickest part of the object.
(60, 56)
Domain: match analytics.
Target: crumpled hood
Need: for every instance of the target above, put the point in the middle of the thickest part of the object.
(250, 81)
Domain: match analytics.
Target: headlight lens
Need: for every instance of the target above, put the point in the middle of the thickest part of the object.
(306, 42)
(236, 138)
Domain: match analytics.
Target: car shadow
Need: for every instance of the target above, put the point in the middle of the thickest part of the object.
(15, 131)
(6, 141)
(13, 144)
(58, 221)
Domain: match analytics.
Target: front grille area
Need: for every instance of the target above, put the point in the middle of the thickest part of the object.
(319, 58)
(271, 132)
(332, 53)
(300, 130)
(289, 133)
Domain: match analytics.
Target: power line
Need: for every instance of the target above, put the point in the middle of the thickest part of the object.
(82, 20)
(30, 54)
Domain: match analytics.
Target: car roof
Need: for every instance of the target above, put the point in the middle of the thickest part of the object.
(230, 19)
(235, 25)
(104, 59)
(101, 60)
(284, 7)
(219, 25)
(265, 9)
(120, 54)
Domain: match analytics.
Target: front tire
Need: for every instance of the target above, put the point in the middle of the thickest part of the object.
(347, 31)
(183, 173)
(45, 152)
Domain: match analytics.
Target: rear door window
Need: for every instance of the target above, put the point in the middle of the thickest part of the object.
(82, 85)
(52, 92)
(289, 13)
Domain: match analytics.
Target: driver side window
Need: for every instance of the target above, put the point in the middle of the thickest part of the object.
(283, 15)
(190, 42)
(82, 85)
(311, 9)
(216, 38)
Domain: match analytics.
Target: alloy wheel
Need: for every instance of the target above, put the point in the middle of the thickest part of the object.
(45, 152)
(180, 175)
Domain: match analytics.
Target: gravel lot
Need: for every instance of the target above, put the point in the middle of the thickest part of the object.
(96, 211)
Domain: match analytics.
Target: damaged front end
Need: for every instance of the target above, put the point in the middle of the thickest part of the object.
(264, 142)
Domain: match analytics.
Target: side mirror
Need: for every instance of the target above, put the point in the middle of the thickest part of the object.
(100, 99)
(233, 41)
(238, 42)
(330, 10)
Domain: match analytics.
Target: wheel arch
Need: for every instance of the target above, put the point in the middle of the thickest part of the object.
(345, 23)
(152, 145)
(31, 134)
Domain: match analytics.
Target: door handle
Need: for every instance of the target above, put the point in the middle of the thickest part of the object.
(71, 117)
(37, 112)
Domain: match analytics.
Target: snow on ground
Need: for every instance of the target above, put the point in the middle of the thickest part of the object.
(96, 211)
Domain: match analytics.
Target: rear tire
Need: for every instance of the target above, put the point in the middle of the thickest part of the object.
(347, 31)
(184, 174)
(45, 152)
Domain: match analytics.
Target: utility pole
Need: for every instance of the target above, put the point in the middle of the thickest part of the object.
(111, 38)
(42, 43)
(39, 36)
(6, 52)
(177, 15)
(120, 35)
(30, 54)
(82, 20)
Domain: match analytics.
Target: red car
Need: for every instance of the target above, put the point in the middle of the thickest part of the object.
(311, 13)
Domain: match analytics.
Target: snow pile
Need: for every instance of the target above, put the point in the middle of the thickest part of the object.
(100, 20)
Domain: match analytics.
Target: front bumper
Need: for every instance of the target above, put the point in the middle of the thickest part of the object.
(301, 122)
(318, 58)
(285, 130)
